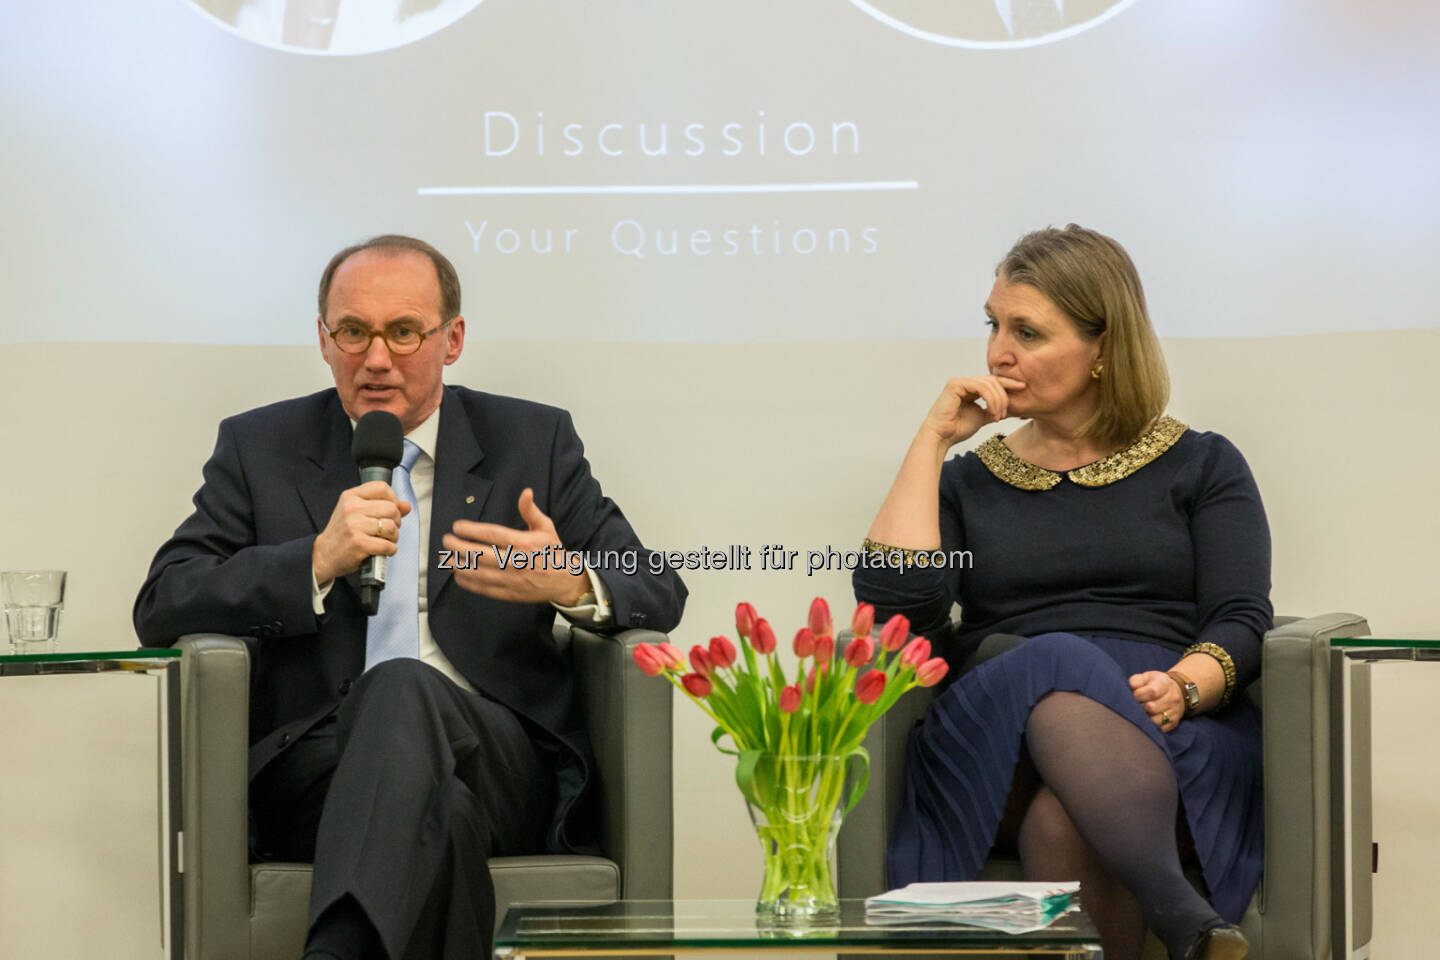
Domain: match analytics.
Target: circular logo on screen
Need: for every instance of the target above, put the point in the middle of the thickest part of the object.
(992, 24)
(336, 27)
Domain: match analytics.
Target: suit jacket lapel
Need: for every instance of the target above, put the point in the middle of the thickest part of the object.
(460, 490)
(330, 469)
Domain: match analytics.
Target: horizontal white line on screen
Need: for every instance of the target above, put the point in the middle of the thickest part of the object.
(670, 189)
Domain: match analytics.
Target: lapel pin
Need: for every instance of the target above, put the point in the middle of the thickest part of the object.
(469, 499)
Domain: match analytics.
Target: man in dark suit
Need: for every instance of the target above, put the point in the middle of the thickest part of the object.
(400, 751)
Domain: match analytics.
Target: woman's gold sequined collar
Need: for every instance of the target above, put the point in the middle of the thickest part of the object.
(1119, 465)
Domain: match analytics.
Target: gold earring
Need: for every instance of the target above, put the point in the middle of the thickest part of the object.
(1096, 370)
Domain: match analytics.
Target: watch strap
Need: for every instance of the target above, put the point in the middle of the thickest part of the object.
(1189, 692)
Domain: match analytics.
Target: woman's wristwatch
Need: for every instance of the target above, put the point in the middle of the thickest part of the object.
(1189, 692)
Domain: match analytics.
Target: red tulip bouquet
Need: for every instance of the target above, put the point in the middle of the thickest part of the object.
(797, 739)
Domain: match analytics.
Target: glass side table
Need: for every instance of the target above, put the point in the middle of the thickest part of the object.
(1351, 805)
(689, 927)
(163, 666)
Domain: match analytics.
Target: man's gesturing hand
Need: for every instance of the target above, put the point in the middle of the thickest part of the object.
(535, 579)
(364, 523)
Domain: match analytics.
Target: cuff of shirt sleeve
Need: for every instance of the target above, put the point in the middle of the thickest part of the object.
(318, 594)
(594, 613)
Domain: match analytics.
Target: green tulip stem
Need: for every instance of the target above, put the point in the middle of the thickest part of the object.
(797, 821)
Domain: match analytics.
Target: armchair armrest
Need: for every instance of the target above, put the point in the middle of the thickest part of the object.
(215, 713)
(628, 716)
(866, 831)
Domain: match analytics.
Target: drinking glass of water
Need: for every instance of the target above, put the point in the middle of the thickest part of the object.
(32, 600)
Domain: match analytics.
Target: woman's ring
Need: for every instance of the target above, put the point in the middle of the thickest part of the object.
(1164, 718)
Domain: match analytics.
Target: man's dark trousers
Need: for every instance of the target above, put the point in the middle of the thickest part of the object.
(410, 775)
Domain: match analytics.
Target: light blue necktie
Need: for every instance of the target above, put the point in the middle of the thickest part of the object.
(394, 631)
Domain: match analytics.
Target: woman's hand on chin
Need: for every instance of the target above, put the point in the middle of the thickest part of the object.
(967, 404)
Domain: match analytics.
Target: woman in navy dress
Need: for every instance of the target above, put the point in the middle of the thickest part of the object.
(1133, 556)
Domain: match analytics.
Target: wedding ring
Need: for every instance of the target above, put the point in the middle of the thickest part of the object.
(379, 527)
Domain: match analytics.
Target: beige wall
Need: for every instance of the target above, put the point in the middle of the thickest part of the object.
(712, 445)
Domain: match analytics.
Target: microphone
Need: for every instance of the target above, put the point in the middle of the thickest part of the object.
(378, 446)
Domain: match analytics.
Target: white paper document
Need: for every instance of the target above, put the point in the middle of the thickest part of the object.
(931, 896)
(1011, 907)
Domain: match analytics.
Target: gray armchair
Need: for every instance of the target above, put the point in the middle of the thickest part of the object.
(1290, 916)
(235, 910)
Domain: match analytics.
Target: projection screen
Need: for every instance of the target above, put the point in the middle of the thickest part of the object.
(742, 172)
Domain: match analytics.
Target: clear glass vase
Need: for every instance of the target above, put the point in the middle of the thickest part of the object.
(797, 804)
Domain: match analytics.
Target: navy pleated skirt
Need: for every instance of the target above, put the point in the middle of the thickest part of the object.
(962, 760)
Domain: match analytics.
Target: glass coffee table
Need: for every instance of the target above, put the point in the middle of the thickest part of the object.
(1352, 660)
(691, 927)
(162, 668)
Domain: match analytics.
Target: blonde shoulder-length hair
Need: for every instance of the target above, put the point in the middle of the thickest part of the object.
(1093, 281)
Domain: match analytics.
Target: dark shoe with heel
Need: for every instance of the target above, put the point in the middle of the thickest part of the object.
(1224, 942)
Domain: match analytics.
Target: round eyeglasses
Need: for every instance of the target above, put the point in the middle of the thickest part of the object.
(401, 337)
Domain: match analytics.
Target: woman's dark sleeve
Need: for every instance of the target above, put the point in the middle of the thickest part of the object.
(920, 591)
(1232, 560)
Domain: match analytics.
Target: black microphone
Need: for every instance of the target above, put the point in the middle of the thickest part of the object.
(378, 446)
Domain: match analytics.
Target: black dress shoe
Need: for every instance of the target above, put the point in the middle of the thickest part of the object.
(1224, 942)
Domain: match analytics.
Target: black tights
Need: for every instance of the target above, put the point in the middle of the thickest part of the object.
(1105, 814)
